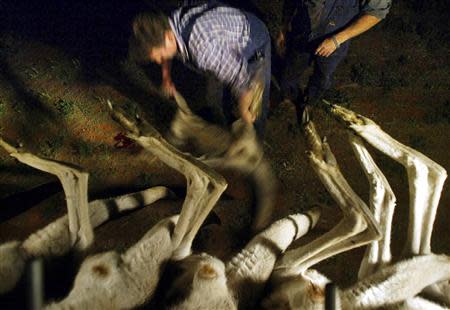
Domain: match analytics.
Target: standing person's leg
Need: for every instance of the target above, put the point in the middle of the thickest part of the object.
(296, 62)
(322, 77)
(297, 57)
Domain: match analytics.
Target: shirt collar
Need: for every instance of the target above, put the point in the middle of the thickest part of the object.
(175, 26)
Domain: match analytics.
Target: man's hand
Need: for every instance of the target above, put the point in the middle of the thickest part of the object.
(360, 25)
(326, 48)
(280, 43)
(168, 88)
(244, 107)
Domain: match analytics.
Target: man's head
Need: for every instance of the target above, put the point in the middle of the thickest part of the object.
(152, 38)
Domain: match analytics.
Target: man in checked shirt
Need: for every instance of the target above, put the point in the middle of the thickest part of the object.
(225, 43)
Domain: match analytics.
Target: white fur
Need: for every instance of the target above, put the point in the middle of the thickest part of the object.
(122, 281)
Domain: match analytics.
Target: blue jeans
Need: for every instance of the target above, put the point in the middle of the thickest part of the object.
(298, 60)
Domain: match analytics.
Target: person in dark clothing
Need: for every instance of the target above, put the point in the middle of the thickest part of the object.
(319, 32)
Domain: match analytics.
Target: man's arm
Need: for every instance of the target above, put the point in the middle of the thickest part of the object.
(167, 86)
(244, 101)
(373, 11)
(361, 25)
(230, 69)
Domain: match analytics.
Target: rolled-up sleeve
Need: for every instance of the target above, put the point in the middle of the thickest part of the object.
(377, 8)
(225, 64)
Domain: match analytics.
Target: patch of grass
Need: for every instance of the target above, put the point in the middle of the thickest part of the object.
(52, 207)
(51, 146)
(66, 71)
(364, 74)
(417, 142)
(445, 111)
(103, 151)
(131, 108)
(324, 198)
(2, 108)
(395, 73)
(338, 97)
(145, 180)
(17, 107)
(420, 5)
(389, 166)
(432, 28)
(65, 107)
(84, 149)
(400, 24)
(426, 19)
(403, 59)
(76, 63)
(441, 114)
(32, 73)
(44, 96)
(100, 99)
(96, 176)
(391, 79)
(294, 129)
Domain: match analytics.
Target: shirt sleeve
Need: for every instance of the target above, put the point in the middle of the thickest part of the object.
(229, 67)
(377, 8)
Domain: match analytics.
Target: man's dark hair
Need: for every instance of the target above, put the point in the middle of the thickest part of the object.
(148, 32)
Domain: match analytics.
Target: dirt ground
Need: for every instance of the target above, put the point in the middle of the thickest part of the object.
(56, 76)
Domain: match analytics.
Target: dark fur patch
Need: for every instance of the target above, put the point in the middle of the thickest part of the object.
(316, 292)
(101, 270)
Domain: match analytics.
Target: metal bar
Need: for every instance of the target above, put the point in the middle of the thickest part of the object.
(35, 284)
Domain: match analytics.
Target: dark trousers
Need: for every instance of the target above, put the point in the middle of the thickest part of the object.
(310, 27)
(298, 59)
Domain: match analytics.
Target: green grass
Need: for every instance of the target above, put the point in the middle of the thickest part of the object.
(432, 22)
(399, 24)
(324, 198)
(417, 142)
(103, 152)
(445, 111)
(294, 129)
(32, 73)
(44, 96)
(17, 107)
(145, 180)
(65, 107)
(392, 79)
(2, 108)
(440, 114)
(50, 147)
(364, 74)
(388, 166)
(338, 97)
(84, 149)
